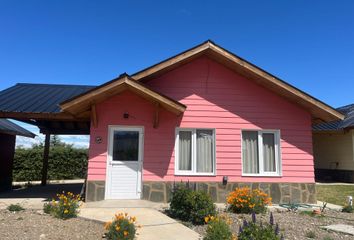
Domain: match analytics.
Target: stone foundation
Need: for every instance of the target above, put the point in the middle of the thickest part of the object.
(95, 190)
(161, 191)
(280, 192)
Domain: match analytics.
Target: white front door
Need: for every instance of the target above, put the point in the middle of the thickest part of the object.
(124, 163)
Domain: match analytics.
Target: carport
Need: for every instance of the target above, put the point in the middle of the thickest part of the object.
(38, 104)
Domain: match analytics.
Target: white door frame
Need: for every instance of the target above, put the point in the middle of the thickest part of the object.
(111, 129)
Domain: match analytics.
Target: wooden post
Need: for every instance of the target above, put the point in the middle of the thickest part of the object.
(94, 115)
(45, 159)
(156, 115)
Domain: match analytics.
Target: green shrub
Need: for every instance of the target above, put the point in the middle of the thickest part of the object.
(218, 228)
(189, 205)
(245, 200)
(310, 234)
(348, 209)
(122, 227)
(252, 230)
(327, 238)
(48, 207)
(15, 208)
(66, 206)
(65, 162)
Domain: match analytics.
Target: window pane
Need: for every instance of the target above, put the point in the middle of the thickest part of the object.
(250, 152)
(205, 152)
(185, 150)
(126, 145)
(269, 152)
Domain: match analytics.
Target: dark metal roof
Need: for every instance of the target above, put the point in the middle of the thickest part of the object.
(38, 98)
(11, 128)
(348, 121)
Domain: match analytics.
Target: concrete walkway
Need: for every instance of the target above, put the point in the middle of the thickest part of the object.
(155, 225)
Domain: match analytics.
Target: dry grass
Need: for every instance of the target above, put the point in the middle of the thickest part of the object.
(336, 194)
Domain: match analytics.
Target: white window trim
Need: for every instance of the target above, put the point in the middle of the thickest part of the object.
(193, 172)
(278, 160)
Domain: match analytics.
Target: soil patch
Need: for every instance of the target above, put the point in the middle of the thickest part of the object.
(32, 224)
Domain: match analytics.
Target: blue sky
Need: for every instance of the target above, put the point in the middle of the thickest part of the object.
(310, 44)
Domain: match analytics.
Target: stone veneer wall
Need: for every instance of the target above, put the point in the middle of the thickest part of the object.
(161, 191)
(280, 192)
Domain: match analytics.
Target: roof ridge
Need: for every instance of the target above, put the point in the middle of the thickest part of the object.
(58, 85)
(347, 106)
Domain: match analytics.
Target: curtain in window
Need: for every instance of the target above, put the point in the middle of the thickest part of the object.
(250, 152)
(205, 151)
(185, 150)
(269, 152)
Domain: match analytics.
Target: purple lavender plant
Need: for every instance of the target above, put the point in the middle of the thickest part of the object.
(245, 223)
(276, 229)
(271, 219)
(253, 217)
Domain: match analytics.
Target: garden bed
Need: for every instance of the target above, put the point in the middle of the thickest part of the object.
(32, 224)
(295, 226)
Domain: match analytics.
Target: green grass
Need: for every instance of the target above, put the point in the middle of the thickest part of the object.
(15, 208)
(336, 194)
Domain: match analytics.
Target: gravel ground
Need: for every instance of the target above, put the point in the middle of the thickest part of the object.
(32, 224)
(294, 226)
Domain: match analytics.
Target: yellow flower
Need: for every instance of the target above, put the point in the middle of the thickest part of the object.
(125, 233)
(117, 228)
(206, 219)
(66, 211)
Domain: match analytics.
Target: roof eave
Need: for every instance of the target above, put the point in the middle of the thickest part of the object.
(123, 83)
(317, 108)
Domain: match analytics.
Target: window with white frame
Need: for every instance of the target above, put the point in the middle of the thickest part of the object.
(195, 152)
(260, 153)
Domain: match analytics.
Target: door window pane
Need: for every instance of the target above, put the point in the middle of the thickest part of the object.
(185, 150)
(269, 152)
(205, 151)
(250, 152)
(126, 145)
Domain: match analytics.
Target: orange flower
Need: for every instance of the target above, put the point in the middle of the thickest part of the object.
(107, 225)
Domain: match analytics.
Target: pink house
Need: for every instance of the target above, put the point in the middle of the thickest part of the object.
(206, 117)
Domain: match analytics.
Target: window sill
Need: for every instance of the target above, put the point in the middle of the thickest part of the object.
(262, 175)
(196, 174)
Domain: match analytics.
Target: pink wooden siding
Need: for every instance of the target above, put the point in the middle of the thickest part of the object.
(216, 97)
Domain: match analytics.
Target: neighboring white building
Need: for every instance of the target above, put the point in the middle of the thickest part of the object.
(333, 146)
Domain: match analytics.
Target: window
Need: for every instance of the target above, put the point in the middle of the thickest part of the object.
(125, 146)
(195, 152)
(260, 153)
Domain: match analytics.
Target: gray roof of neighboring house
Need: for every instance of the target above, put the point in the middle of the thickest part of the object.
(8, 127)
(348, 121)
(38, 98)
